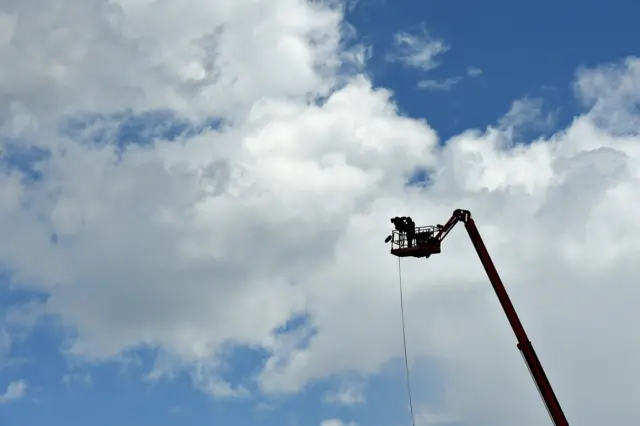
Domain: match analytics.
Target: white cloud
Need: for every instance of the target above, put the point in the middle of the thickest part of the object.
(198, 56)
(218, 388)
(474, 72)
(448, 83)
(192, 246)
(427, 417)
(443, 85)
(15, 391)
(5, 343)
(612, 92)
(69, 379)
(347, 394)
(336, 422)
(526, 113)
(417, 50)
(7, 27)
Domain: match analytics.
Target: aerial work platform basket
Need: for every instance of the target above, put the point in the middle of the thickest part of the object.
(422, 244)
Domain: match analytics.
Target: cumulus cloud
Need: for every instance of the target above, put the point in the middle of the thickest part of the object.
(15, 391)
(198, 56)
(611, 91)
(218, 237)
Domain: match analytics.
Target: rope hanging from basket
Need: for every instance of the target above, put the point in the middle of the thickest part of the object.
(404, 344)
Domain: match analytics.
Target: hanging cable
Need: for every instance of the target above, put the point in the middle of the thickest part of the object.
(404, 343)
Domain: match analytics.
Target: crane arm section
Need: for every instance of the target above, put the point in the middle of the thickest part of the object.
(524, 345)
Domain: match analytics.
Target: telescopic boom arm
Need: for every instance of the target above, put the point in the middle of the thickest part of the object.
(524, 345)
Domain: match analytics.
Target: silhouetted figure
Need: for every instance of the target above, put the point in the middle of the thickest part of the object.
(410, 230)
(399, 223)
(405, 225)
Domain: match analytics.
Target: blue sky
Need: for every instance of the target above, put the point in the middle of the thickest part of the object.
(524, 50)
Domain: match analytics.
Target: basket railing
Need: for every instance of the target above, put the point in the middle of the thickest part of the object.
(422, 235)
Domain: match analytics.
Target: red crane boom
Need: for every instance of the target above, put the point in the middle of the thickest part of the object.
(425, 241)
